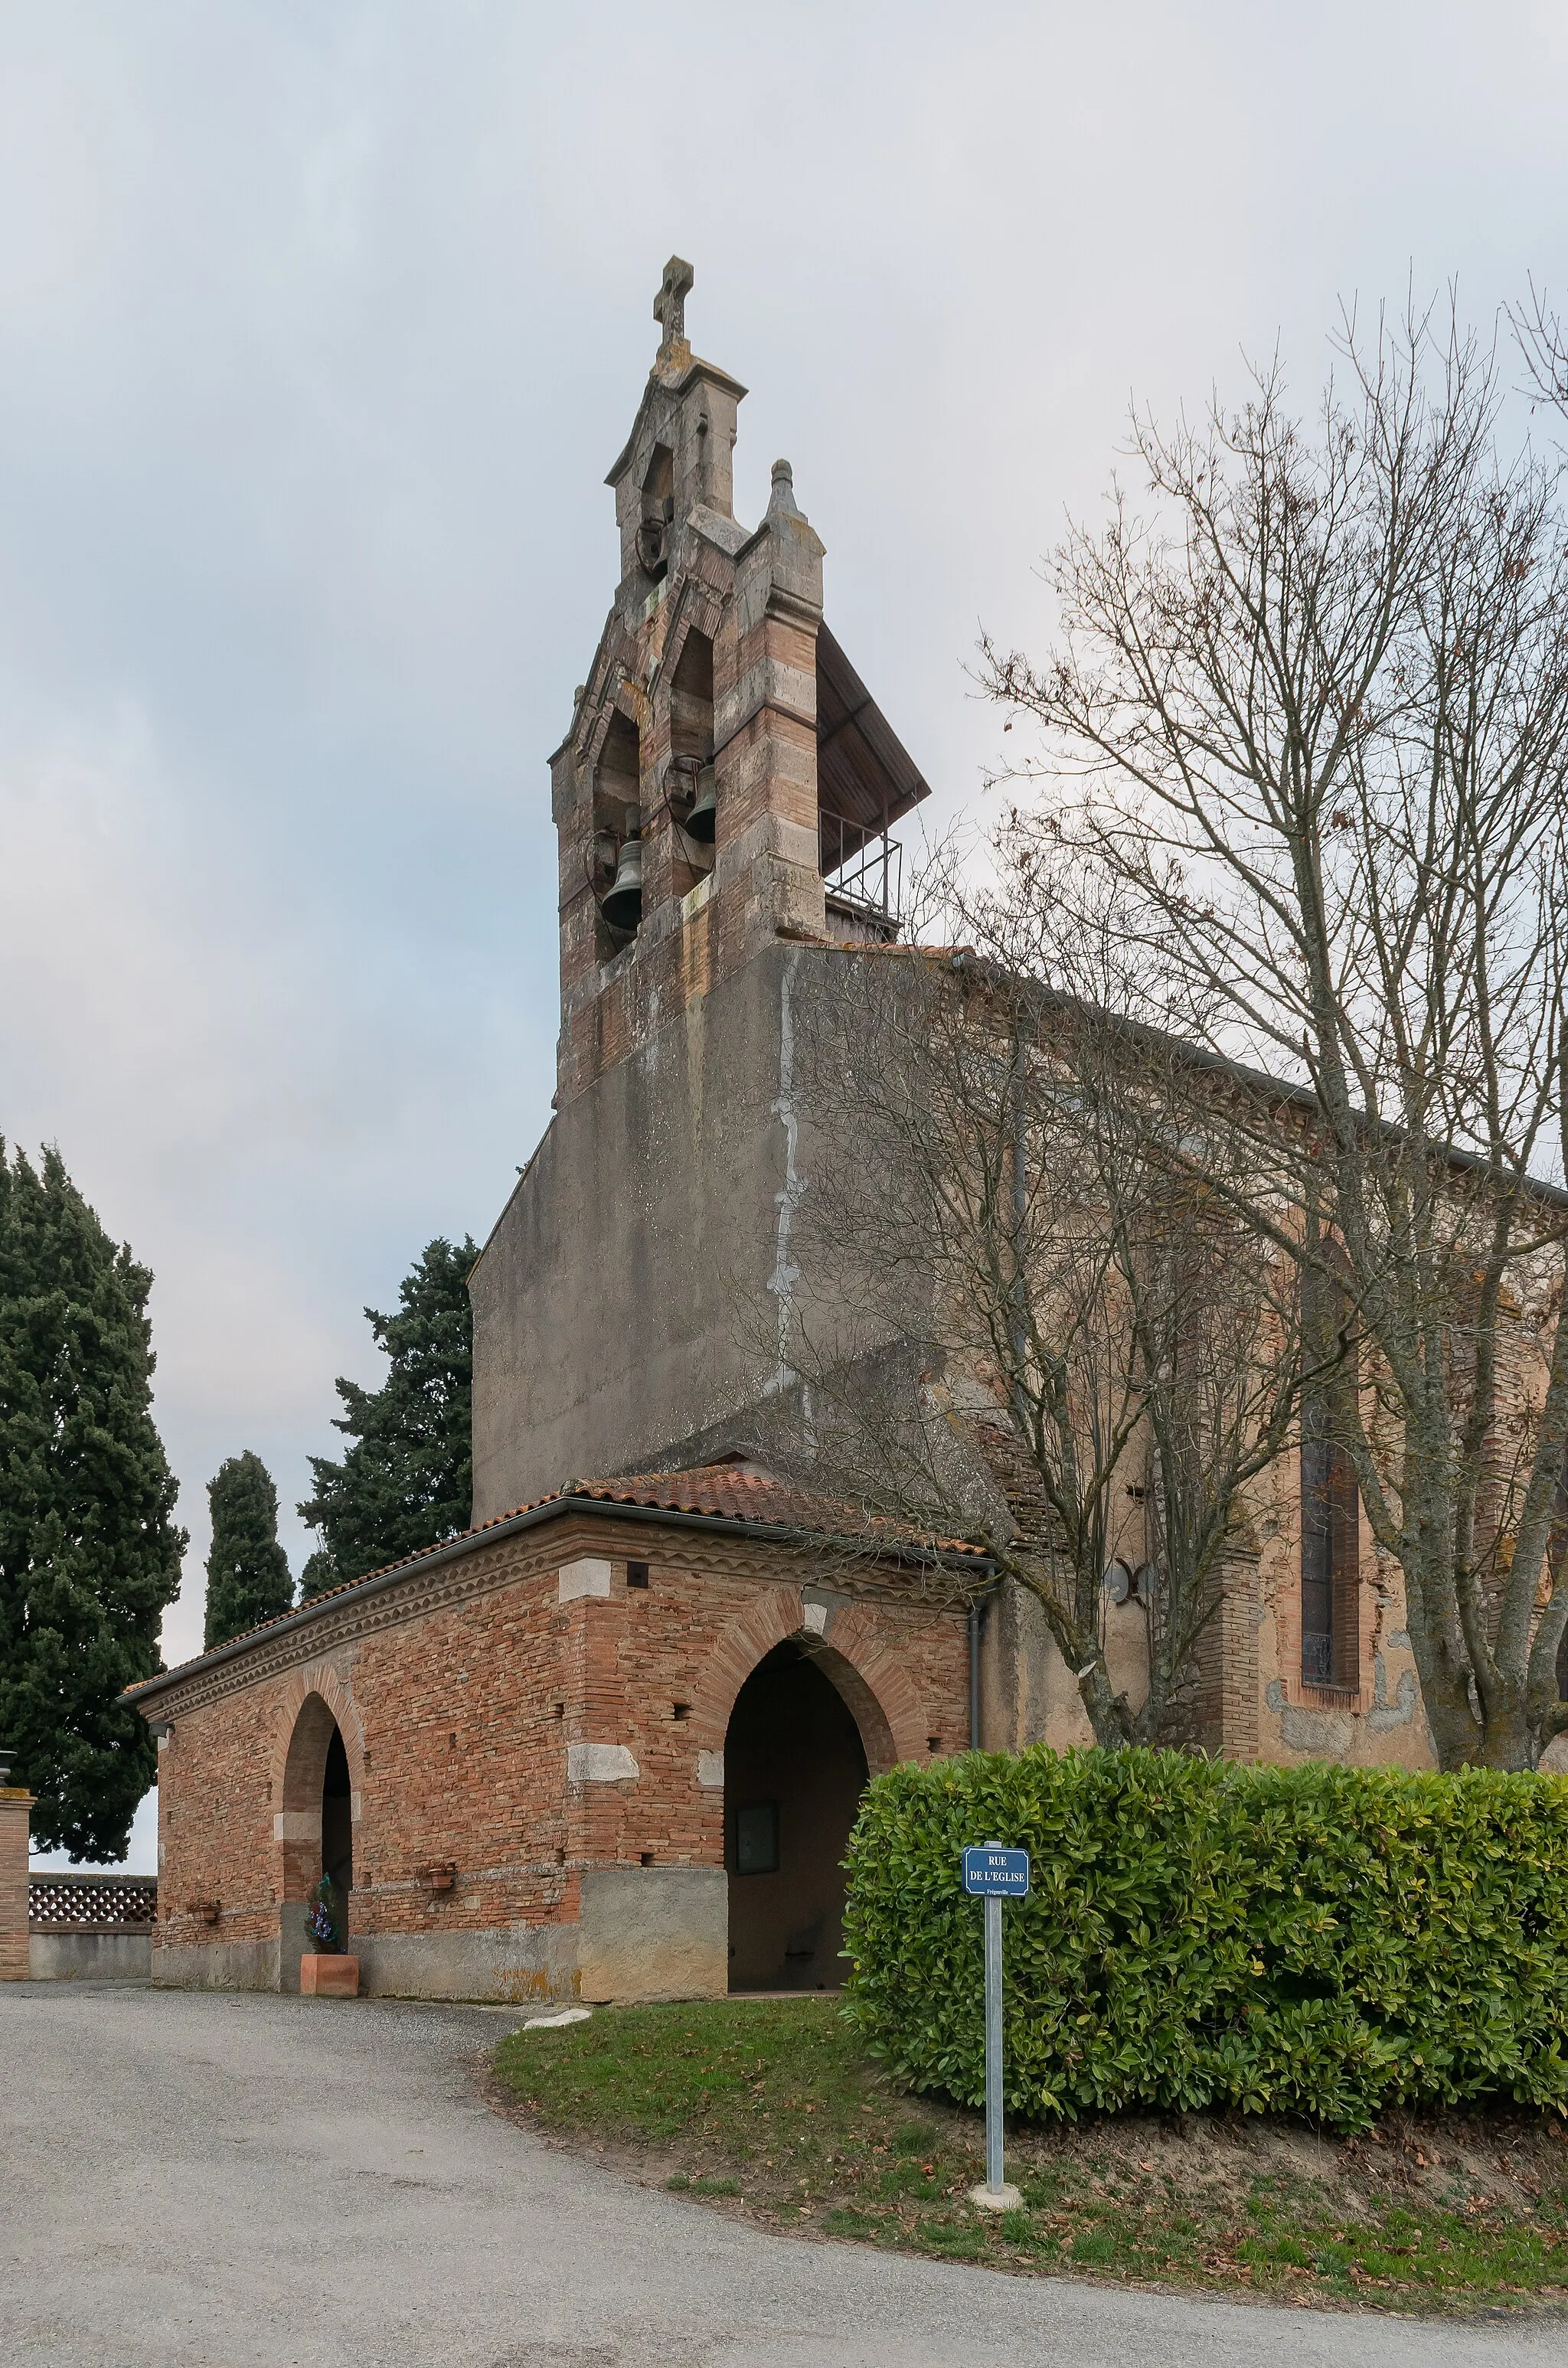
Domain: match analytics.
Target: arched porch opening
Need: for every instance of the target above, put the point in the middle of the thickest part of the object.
(317, 1826)
(337, 1823)
(795, 1763)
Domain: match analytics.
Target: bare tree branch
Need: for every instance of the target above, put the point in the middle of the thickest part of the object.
(1306, 734)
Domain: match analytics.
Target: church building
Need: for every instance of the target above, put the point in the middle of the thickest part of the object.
(609, 1742)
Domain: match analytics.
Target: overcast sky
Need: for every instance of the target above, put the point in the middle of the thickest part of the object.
(319, 327)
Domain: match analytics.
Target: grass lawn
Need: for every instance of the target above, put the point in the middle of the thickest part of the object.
(771, 2108)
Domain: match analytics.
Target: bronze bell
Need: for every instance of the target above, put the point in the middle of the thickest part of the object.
(622, 908)
(702, 822)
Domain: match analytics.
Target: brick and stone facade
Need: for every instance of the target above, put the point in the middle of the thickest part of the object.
(1250, 1699)
(534, 1745)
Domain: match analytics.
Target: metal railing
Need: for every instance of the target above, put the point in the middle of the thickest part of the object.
(869, 875)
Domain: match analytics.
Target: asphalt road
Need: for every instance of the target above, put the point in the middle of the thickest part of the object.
(267, 2182)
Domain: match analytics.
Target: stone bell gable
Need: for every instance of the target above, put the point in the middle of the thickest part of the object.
(696, 740)
(722, 802)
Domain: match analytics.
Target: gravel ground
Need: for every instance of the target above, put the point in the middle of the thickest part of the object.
(265, 2182)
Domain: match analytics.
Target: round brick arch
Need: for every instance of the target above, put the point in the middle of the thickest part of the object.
(851, 1656)
(314, 1701)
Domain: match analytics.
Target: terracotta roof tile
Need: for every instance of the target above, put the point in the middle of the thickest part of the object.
(742, 1493)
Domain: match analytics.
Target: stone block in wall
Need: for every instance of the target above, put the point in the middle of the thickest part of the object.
(294, 1941)
(588, 1574)
(654, 1932)
(599, 1763)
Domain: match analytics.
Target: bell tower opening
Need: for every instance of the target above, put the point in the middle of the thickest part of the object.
(617, 835)
(658, 514)
(693, 789)
(794, 1770)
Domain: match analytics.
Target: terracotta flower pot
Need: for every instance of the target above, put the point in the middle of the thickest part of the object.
(329, 1977)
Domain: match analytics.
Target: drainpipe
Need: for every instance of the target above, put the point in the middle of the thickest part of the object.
(974, 1677)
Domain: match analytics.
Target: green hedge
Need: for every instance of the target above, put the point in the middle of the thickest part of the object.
(1311, 1939)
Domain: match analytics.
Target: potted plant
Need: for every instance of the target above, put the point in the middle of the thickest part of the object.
(327, 1971)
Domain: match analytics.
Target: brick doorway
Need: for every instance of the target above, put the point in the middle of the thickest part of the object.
(317, 1828)
(794, 1770)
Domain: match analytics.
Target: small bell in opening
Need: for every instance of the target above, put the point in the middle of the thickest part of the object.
(702, 822)
(622, 907)
(651, 552)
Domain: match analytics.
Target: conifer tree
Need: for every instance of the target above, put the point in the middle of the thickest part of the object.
(89, 1550)
(248, 1579)
(319, 1574)
(407, 1479)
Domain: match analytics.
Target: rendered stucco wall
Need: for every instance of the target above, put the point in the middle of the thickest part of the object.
(89, 1957)
(623, 1305)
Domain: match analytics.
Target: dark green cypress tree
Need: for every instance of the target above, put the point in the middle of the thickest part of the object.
(89, 1550)
(248, 1579)
(407, 1479)
(319, 1574)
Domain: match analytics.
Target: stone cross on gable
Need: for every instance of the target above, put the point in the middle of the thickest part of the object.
(669, 304)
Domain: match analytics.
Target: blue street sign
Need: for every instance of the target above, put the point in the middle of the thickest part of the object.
(992, 1872)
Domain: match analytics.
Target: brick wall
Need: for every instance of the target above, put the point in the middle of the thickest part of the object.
(459, 1692)
(15, 1816)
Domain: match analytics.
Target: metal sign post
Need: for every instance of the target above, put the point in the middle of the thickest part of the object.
(992, 1873)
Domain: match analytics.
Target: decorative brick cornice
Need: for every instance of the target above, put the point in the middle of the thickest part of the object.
(341, 1623)
(713, 1549)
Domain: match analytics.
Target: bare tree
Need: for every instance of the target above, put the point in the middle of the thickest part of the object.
(1307, 727)
(1041, 1336)
(1543, 348)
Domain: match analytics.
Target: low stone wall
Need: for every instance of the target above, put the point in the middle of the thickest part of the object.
(518, 1965)
(111, 1956)
(91, 1928)
(217, 1965)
